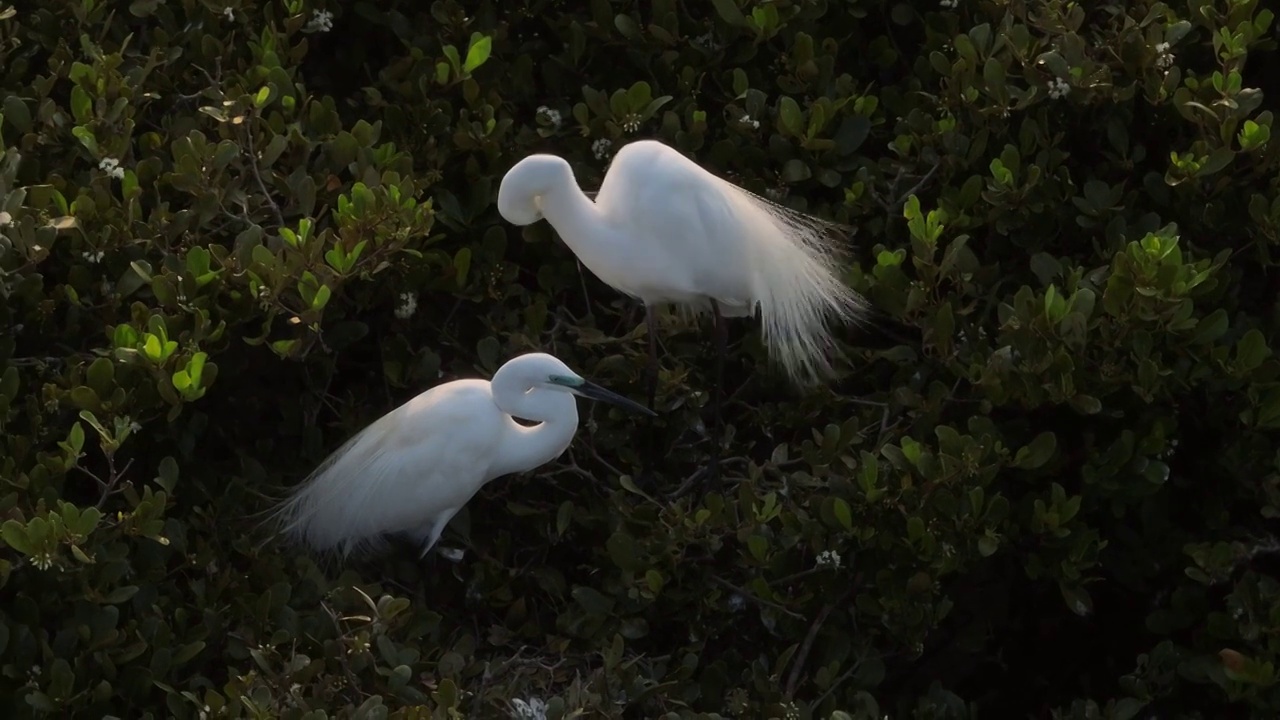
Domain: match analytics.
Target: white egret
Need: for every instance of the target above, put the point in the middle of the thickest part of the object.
(414, 468)
(663, 230)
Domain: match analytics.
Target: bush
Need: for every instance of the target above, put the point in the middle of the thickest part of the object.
(233, 234)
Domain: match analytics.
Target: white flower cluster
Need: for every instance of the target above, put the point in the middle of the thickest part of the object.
(750, 122)
(1164, 58)
(949, 4)
(111, 166)
(601, 148)
(321, 21)
(1058, 88)
(408, 305)
(531, 709)
(552, 116)
(829, 558)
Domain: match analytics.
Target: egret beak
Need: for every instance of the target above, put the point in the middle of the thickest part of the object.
(592, 391)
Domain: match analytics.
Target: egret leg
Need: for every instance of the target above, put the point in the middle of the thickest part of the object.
(651, 372)
(717, 432)
(651, 323)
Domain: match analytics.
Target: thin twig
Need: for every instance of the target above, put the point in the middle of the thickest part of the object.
(836, 685)
(354, 682)
(803, 655)
(916, 188)
(113, 479)
(257, 175)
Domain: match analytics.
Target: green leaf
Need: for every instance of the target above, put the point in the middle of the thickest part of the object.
(796, 170)
(81, 105)
(1087, 404)
(638, 96)
(75, 438)
(86, 138)
(593, 601)
(790, 115)
(841, 510)
(462, 266)
(730, 13)
(622, 550)
(993, 74)
(1077, 598)
(321, 298)
(1036, 453)
(987, 546)
(14, 534)
(478, 53)
(152, 348)
(1251, 351)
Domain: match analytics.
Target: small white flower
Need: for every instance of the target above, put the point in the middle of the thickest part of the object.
(707, 41)
(736, 602)
(321, 21)
(134, 426)
(1164, 58)
(229, 13)
(631, 124)
(531, 709)
(5, 219)
(111, 166)
(601, 148)
(93, 256)
(829, 558)
(750, 122)
(1058, 88)
(552, 116)
(949, 3)
(42, 561)
(408, 305)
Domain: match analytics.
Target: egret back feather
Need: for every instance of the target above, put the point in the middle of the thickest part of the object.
(307, 517)
(794, 264)
(370, 486)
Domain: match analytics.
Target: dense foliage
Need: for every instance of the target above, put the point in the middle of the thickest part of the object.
(233, 232)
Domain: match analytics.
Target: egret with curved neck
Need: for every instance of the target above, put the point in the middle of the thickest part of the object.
(414, 468)
(665, 231)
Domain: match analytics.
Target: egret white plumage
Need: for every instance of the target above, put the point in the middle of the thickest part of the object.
(413, 469)
(666, 231)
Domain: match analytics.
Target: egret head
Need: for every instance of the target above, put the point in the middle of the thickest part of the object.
(539, 371)
(521, 193)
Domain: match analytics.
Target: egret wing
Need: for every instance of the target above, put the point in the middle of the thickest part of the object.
(398, 474)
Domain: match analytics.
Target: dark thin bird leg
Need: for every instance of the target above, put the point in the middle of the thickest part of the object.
(651, 323)
(712, 478)
(652, 446)
(709, 475)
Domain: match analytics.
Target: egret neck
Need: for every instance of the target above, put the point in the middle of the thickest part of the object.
(525, 447)
(584, 228)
